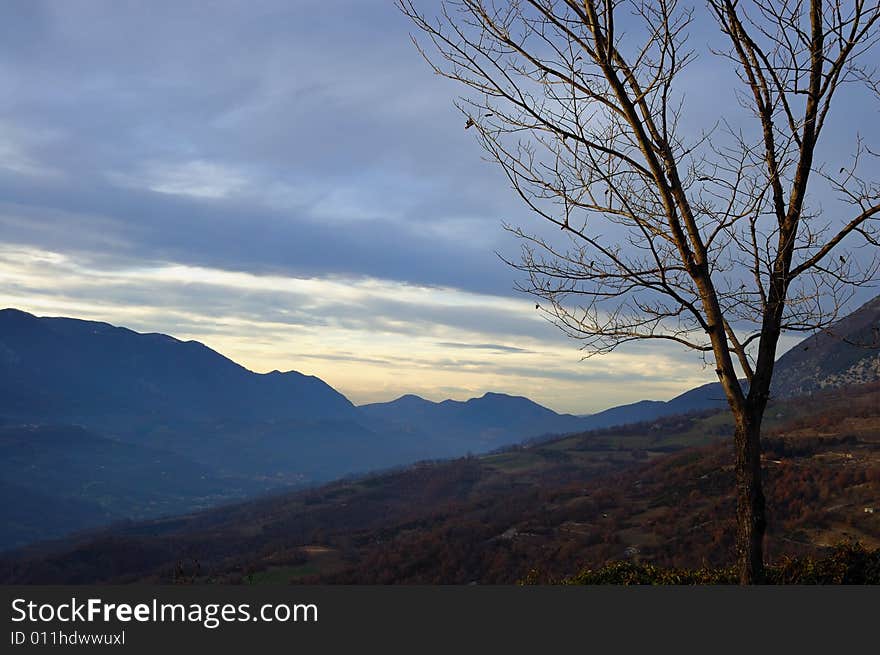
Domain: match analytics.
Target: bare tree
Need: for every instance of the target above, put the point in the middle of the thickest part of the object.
(713, 240)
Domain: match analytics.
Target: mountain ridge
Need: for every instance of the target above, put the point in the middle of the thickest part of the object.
(833, 346)
(49, 359)
(254, 432)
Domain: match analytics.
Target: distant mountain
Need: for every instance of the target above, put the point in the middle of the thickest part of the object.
(74, 371)
(155, 391)
(481, 423)
(707, 396)
(496, 419)
(847, 353)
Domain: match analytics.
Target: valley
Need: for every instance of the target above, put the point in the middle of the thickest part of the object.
(658, 492)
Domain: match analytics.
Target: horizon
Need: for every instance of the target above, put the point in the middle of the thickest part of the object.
(482, 394)
(477, 395)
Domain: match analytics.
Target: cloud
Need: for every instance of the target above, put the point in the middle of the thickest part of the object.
(494, 347)
(198, 178)
(236, 138)
(17, 148)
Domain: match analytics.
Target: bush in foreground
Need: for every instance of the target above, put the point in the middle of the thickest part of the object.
(845, 564)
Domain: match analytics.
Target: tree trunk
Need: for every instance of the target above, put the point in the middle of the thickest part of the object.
(751, 521)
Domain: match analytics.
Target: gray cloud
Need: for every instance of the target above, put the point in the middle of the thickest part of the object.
(366, 313)
(318, 134)
(494, 347)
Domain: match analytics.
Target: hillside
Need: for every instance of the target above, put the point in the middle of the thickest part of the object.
(847, 353)
(658, 492)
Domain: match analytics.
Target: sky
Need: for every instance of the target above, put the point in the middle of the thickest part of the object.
(288, 183)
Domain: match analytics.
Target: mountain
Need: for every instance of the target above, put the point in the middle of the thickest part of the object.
(846, 353)
(496, 419)
(158, 392)
(479, 423)
(101, 423)
(707, 396)
(181, 397)
(75, 371)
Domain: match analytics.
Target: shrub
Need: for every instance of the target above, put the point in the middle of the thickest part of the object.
(848, 563)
